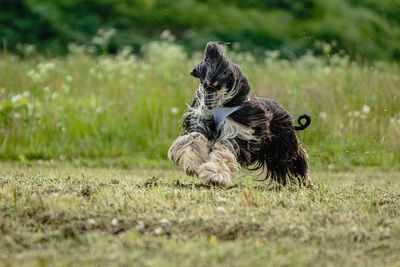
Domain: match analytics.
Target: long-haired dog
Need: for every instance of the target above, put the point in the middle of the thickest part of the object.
(225, 130)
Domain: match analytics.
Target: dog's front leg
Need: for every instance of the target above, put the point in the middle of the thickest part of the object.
(221, 165)
(189, 151)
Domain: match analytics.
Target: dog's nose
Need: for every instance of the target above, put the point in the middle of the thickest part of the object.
(210, 89)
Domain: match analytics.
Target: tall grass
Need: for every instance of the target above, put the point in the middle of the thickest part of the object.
(129, 107)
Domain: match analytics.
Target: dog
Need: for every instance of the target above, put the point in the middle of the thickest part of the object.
(225, 130)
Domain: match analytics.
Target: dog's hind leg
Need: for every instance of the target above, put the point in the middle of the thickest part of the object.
(220, 167)
(189, 151)
(299, 167)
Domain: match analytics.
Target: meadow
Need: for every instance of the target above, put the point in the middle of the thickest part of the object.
(84, 178)
(125, 109)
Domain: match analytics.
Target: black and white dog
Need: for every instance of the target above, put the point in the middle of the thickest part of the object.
(226, 130)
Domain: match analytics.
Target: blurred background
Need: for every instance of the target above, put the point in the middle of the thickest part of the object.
(106, 82)
(364, 29)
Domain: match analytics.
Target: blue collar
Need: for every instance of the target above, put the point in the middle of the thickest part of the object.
(221, 113)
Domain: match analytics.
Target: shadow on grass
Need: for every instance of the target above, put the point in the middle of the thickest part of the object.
(262, 186)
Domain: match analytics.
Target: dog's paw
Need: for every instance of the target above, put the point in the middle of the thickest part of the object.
(214, 174)
(222, 155)
(190, 168)
(189, 151)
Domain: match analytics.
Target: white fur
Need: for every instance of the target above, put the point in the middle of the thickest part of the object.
(232, 129)
(189, 151)
(220, 168)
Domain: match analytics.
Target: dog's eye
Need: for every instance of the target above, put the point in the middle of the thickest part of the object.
(216, 85)
(206, 83)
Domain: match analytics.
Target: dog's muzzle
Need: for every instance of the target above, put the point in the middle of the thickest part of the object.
(211, 97)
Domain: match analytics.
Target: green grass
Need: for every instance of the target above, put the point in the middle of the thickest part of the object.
(58, 215)
(126, 109)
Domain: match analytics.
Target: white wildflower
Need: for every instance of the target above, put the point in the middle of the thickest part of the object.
(220, 209)
(366, 109)
(139, 225)
(166, 35)
(33, 75)
(114, 222)
(174, 110)
(26, 94)
(103, 36)
(91, 221)
(44, 68)
(164, 221)
(221, 199)
(16, 98)
(158, 231)
(323, 115)
(356, 114)
(54, 95)
(41, 71)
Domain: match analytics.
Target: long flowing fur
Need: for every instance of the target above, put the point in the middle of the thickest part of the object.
(220, 167)
(259, 135)
(189, 151)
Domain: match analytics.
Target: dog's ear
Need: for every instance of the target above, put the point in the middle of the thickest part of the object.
(195, 73)
(198, 71)
(214, 52)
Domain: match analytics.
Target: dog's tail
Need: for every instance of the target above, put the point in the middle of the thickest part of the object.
(305, 125)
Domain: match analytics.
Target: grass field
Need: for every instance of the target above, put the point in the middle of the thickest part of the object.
(61, 215)
(84, 178)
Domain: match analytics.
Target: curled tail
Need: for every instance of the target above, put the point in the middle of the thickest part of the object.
(305, 125)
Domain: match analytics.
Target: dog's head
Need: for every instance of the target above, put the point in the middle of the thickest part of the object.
(222, 83)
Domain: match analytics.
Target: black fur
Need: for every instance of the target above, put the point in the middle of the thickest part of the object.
(305, 125)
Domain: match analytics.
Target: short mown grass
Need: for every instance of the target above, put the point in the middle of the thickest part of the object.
(59, 215)
(126, 109)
